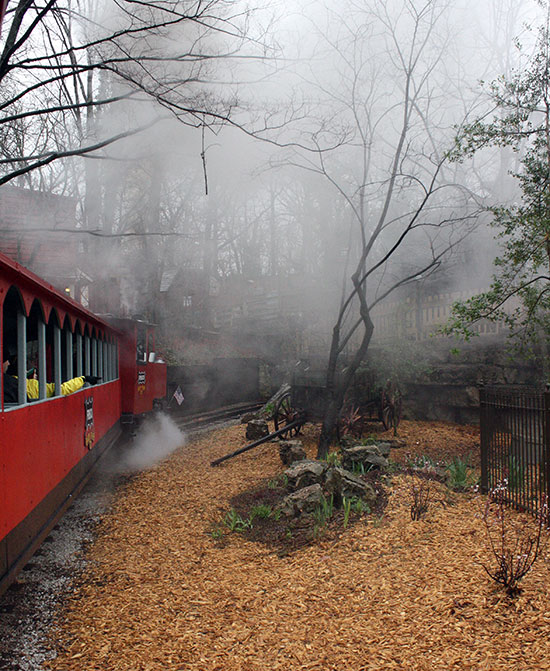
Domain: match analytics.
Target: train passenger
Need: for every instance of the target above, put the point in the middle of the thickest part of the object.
(11, 385)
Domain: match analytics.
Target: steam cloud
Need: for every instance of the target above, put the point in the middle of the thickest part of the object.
(157, 439)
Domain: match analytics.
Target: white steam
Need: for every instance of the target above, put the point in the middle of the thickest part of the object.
(157, 438)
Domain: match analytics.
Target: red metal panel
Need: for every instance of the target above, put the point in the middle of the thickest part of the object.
(154, 387)
(31, 286)
(41, 442)
(128, 367)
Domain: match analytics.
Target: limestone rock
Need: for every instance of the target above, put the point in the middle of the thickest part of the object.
(305, 500)
(256, 429)
(368, 455)
(305, 473)
(384, 448)
(341, 484)
(291, 451)
(248, 417)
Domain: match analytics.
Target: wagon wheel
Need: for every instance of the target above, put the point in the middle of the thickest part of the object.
(390, 406)
(284, 414)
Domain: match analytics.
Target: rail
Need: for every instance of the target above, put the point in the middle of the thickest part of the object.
(515, 444)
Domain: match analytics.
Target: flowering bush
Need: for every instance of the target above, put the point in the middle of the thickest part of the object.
(515, 540)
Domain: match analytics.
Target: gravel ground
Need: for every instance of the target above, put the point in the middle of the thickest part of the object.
(28, 608)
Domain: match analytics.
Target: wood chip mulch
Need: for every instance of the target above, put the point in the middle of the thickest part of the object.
(160, 593)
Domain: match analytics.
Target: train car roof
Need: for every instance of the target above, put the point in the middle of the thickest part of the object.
(22, 277)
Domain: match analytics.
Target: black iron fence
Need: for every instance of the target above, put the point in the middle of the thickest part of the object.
(515, 443)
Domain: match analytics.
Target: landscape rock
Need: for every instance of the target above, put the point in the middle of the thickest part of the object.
(291, 451)
(303, 501)
(305, 473)
(369, 456)
(384, 448)
(256, 429)
(341, 484)
(249, 417)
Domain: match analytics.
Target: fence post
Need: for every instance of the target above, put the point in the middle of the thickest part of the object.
(485, 437)
(546, 443)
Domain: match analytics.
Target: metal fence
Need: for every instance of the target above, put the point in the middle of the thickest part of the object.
(515, 443)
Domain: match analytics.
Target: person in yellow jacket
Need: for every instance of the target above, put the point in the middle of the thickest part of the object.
(68, 387)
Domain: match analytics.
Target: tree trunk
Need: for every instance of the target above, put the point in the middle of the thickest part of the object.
(337, 386)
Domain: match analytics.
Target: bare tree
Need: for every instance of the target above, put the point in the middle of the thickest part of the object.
(383, 93)
(64, 62)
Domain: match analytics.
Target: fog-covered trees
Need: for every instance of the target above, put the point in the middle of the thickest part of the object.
(383, 111)
(520, 291)
(93, 97)
(64, 62)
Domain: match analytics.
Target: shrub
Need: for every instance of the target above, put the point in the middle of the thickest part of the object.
(515, 541)
(421, 491)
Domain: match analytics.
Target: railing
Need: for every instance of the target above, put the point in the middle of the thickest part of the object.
(515, 443)
(419, 316)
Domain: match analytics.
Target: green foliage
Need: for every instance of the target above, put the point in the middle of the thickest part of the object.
(397, 361)
(353, 504)
(334, 459)
(516, 473)
(234, 522)
(262, 510)
(279, 481)
(359, 506)
(268, 410)
(346, 505)
(324, 511)
(460, 474)
(371, 439)
(521, 121)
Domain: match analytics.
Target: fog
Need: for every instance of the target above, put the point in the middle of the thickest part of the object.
(266, 149)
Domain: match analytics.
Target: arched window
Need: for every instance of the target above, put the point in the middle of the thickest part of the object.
(14, 349)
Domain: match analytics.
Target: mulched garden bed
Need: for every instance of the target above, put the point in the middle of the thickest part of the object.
(162, 592)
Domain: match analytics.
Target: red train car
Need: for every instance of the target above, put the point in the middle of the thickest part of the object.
(49, 440)
(142, 374)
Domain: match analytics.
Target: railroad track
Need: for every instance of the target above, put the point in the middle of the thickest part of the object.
(213, 417)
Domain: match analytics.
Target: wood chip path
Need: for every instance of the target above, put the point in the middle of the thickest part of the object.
(161, 594)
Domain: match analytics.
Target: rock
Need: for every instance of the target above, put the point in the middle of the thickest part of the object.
(249, 417)
(305, 473)
(341, 484)
(256, 429)
(305, 500)
(367, 455)
(291, 451)
(384, 448)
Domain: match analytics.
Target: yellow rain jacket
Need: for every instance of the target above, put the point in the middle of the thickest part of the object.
(67, 388)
